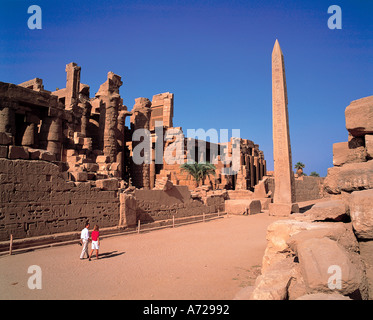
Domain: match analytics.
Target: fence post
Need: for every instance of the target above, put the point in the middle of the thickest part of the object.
(203, 217)
(138, 226)
(11, 245)
(173, 221)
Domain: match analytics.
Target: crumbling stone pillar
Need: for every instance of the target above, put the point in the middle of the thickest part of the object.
(110, 101)
(86, 112)
(121, 138)
(72, 85)
(140, 119)
(162, 110)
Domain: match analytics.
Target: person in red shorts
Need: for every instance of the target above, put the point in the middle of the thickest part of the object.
(95, 236)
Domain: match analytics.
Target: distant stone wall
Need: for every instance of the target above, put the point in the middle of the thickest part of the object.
(36, 200)
(153, 205)
(309, 188)
(306, 188)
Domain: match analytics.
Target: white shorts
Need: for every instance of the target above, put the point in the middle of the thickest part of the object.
(94, 245)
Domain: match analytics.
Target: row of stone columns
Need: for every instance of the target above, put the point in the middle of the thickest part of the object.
(49, 138)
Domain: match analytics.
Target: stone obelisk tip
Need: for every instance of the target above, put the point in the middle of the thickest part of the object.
(277, 48)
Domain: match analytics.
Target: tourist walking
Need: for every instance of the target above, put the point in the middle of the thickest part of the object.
(95, 241)
(84, 239)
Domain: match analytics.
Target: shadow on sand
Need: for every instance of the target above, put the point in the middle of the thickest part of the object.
(107, 255)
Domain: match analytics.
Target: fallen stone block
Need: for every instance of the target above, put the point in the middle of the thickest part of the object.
(108, 184)
(239, 194)
(369, 145)
(241, 206)
(5, 139)
(321, 258)
(333, 210)
(282, 209)
(80, 176)
(3, 151)
(357, 124)
(343, 154)
(349, 177)
(102, 159)
(273, 284)
(47, 156)
(16, 152)
(34, 153)
(361, 213)
(279, 232)
(261, 189)
(264, 202)
(342, 233)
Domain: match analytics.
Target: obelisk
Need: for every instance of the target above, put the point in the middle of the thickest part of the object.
(284, 194)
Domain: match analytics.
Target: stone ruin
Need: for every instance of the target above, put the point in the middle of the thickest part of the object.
(66, 157)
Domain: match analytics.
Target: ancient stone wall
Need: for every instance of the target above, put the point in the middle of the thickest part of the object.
(309, 188)
(153, 205)
(37, 200)
(306, 188)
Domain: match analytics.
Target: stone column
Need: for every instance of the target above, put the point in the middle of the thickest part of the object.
(51, 135)
(30, 136)
(257, 170)
(110, 102)
(252, 173)
(7, 118)
(111, 123)
(86, 112)
(140, 119)
(121, 139)
(284, 195)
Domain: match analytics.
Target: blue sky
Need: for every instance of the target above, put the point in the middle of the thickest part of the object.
(215, 56)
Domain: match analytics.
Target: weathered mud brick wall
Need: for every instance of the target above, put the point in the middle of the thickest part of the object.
(36, 200)
(153, 205)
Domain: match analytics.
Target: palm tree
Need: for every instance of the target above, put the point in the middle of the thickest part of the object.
(314, 174)
(299, 166)
(199, 171)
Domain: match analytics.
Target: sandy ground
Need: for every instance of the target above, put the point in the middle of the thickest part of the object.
(211, 260)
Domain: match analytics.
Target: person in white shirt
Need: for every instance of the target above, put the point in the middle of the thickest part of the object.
(84, 240)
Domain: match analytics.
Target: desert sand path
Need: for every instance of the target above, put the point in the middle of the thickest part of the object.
(211, 260)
